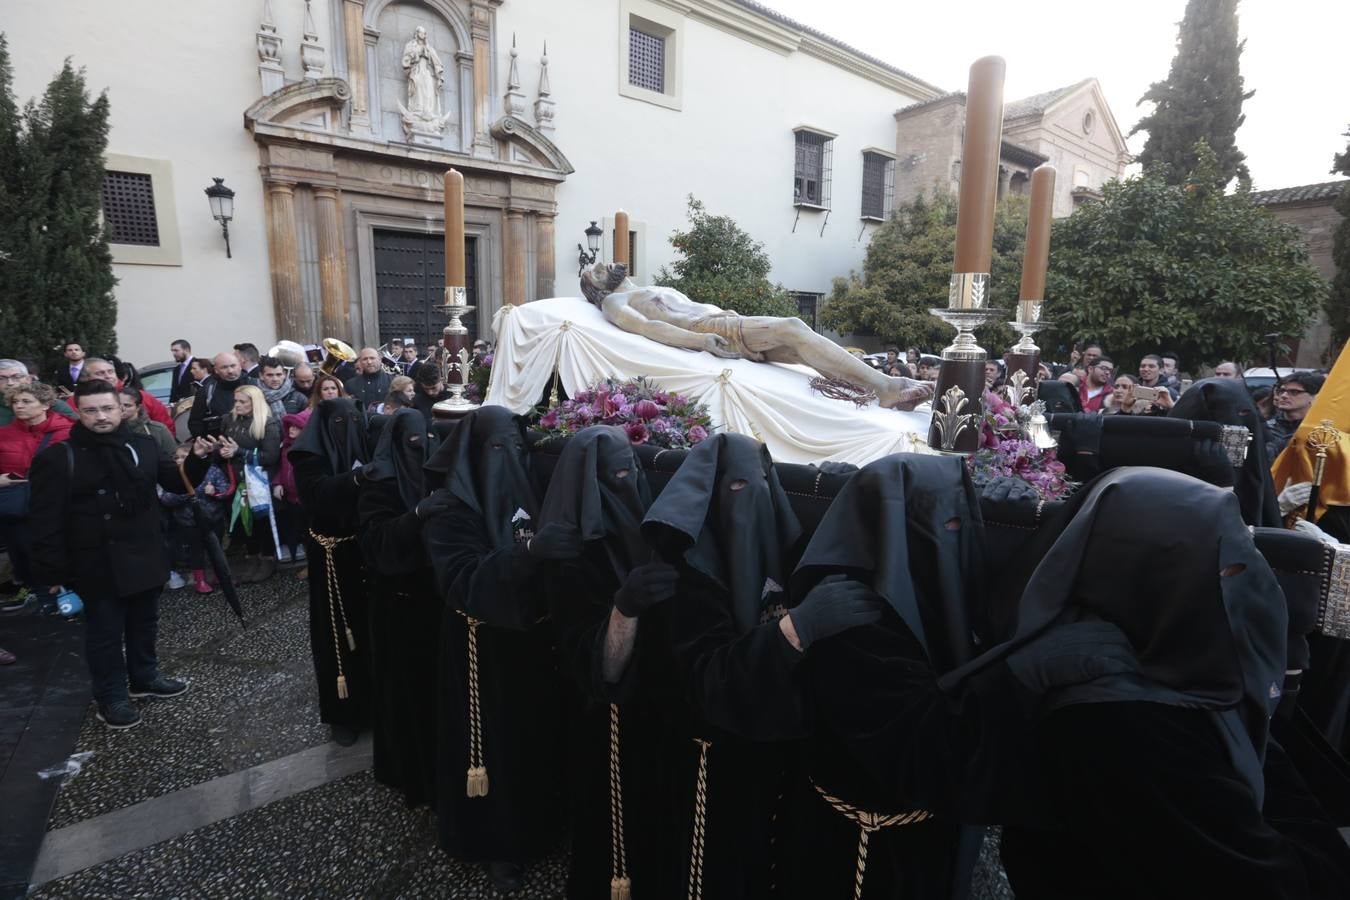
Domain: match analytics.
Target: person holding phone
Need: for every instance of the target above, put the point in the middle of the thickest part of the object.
(35, 427)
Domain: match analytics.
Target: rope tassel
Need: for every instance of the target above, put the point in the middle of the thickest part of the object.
(700, 822)
(476, 785)
(335, 608)
(620, 886)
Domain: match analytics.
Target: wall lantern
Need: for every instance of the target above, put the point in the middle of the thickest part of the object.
(586, 255)
(222, 208)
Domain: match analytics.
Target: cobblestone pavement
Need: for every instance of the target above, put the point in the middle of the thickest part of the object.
(252, 702)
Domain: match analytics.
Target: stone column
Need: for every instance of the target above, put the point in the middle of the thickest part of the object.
(1004, 181)
(545, 266)
(332, 263)
(284, 258)
(353, 12)
(481, 27)
(513, 258)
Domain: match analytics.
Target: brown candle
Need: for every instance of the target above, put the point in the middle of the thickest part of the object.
(1037, 255)
(454, 229)
(979, 166)
(621, 240)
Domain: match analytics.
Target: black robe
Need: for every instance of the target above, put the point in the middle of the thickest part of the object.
(725, 522)
(323, 458)
(620, 827)
(483, 571)
(405, 612)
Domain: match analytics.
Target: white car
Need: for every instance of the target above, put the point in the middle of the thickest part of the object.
(1263, 376)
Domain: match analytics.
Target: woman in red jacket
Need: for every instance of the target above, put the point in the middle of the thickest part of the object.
(35, 427)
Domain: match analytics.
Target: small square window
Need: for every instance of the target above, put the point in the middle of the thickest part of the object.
(807, 305)
(129, 208)
(646, 60)
(811, 172)
(878, 185)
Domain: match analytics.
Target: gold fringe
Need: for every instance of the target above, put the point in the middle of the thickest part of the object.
(351, 640)
(342, 687)
(620, 889)
(868, 822)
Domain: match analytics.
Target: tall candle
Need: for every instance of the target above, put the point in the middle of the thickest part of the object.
(1037, 255)
(454, 229)
(979, 166)
(621, 248)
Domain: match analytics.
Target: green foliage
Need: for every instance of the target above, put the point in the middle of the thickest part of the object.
(56, 281)
(907, 270)
(724, 266)
(1338, 300)
(1186, 267)
(1201, 98)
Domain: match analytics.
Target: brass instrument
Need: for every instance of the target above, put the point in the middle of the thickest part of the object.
(290, 353)
(336, 353)
(389, 359)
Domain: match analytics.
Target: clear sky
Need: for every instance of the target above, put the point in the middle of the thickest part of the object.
(1294, 59)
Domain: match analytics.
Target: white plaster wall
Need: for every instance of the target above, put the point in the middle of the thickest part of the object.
(731, 145)
(179, 76)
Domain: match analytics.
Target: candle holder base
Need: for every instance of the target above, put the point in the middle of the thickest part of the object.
(958, 396)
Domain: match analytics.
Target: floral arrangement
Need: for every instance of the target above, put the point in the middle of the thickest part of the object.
(1006, 451)
(480, 373)
(648, 415)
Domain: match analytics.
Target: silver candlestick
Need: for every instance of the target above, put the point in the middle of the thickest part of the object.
(456, 355)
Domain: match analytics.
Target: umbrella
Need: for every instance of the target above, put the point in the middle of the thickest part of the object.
(211, 544)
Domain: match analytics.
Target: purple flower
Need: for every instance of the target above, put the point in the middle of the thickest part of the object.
(646, 410)
(697, 434)
(637, 432)
(486, 361)
(584, 415)
(549, 420)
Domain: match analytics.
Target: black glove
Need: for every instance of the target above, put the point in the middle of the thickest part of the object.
(831, 467)
(435, 503)
(645, 587)
(555, 541)
(834, 605)
(1072, 654)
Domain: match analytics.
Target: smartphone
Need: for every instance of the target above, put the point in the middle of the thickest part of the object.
(212, 426)
(1140, 392)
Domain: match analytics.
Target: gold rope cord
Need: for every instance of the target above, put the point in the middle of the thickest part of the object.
(868, 822)
(700, 822)
(335, 606)
(620, 886)
(477, 784)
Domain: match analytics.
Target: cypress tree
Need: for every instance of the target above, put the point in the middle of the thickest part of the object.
(1338, 301)
(9, 179)
(58, 281)
(1201, 98)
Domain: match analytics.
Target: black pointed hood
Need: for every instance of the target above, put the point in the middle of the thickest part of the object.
(486, 464)
(400, 456)
(1227, 401)
(336, 431)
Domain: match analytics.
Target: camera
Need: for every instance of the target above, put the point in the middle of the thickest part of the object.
(1147, 394)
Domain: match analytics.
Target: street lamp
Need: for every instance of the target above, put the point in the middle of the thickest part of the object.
(222, 208)
(586, 256)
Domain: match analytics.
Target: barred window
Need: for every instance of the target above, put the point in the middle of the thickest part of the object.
(811, 175)
(807, 304)
(129, 208)
(878, 185)
(646, 61)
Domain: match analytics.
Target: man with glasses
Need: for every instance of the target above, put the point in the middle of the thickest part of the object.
(13, 374)
(1096, 387)
(1293, 395)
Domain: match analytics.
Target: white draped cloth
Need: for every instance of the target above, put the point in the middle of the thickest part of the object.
(772, 402)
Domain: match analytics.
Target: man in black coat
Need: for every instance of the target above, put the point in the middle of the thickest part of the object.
(181, 385)
(216, 396)
(67, 375)
(430, 391)
(370, 384)
(95, 527)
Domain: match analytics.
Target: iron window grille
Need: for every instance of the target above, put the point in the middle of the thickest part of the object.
(646, 60)
(129, 209)
(878, 185)
(811, 174)
(807, 306)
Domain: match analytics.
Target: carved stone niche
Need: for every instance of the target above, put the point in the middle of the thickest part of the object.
(420, 74)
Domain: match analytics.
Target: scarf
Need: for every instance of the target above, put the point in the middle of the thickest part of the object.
(276, 396)
(120, 471)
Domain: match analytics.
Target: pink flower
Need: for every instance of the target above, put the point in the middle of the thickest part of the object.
(697, 434)
(637, 432)
(646, 410)
(610, 405)
(549, 419)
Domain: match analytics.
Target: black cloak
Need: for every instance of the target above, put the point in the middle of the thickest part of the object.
(325, 458)
(726, 516)
(1227, 401)
(405, 612)
(498, 698)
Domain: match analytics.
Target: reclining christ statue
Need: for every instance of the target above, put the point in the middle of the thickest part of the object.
(665, 315)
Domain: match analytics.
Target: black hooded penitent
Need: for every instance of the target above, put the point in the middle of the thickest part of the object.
(1145, 551)
(487, 453)
(909, 527)
(1227, 401)
(400, 456)
(598, 488)
(725, 514)
(336, 433)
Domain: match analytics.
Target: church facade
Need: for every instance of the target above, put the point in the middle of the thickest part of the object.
(333, 120)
